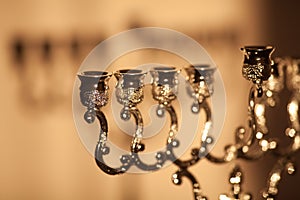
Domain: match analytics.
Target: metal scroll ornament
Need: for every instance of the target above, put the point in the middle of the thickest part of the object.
(129, 93)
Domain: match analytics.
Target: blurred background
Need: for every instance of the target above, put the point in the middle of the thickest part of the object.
(42, 44)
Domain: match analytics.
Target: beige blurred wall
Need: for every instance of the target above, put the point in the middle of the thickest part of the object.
(42, 155)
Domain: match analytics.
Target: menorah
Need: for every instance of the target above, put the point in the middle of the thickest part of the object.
(252, 142)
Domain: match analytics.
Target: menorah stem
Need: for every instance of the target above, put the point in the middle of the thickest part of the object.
(293, 110)
(101, 148)
(103, 127)
(174, 123)
(242, 143)
(251, 113)
(204, 105)
(274, 178)
(207, 124)
(136, 144)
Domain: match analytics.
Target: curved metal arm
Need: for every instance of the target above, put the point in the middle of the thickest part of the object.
(237, 150)
(177, 180)
(242, 143)
(205, 138)
(230, 150)
(198, 153)
(293, 110)
(136, 145)
(133, 158)
(173, 124)
(161, 157)
(204, 105)
(102, 149)
(252, 119)
(235, 180)
(293, 131)
(274, 178)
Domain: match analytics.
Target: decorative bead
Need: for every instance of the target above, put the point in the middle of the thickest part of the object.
(160, 111)
(125, 114)
(209, 140)
(175, 143)
(89, 116)
(105, 150)
(176, 180)
(125, 159)
(160, 156)
(140, 147)
(195, 108)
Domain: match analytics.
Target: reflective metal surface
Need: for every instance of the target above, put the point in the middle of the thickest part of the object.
(252, 142)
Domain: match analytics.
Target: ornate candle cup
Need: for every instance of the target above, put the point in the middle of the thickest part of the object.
(129, 89)
(93, 92)
(257, 65)
(200, 80)
(164, 86)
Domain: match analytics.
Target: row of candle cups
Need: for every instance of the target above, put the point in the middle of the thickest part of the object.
(129, 91)
(130, 85)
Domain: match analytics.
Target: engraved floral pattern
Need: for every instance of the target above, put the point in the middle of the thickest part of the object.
(95, 97)
(253, 72)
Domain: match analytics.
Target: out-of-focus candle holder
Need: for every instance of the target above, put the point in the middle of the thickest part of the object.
(235, 180)
(130, 92)
(200, 86)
